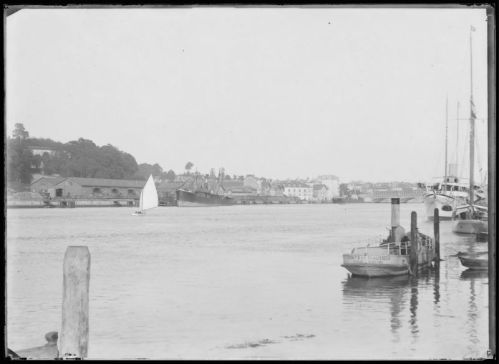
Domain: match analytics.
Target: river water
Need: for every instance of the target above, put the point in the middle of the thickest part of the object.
(242, 282)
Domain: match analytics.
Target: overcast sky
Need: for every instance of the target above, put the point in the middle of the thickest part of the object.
(275, 92)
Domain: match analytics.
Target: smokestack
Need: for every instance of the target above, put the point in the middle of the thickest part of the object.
(395, 212)
(395, 217)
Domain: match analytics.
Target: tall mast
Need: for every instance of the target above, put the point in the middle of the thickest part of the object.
(457, 139)
(472, 125)
(446, 128)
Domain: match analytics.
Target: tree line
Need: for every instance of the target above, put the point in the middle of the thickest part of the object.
(77, 158)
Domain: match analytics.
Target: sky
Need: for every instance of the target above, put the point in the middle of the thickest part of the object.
(275, 92)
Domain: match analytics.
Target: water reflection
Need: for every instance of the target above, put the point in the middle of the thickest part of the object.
(414, 307)
(436, 287)
(472, 314)
(474, 274)
(397, 292)
(358, 289)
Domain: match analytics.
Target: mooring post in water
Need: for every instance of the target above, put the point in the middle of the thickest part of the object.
(436, 233)
(413, 257)
(73, 341)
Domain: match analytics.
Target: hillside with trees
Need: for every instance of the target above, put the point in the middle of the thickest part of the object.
(77, 158)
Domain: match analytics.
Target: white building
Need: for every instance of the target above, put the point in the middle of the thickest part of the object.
(41, 151)
(298, 189)
(333, 185)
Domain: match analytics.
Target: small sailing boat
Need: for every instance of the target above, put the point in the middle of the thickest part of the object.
(148, 197)
(471, 218)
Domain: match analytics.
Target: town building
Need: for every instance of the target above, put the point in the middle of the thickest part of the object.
(253, 182)
(333, 185)
(77, 187)
(298, 189)
(44, 183)
(276, 189)
(261, 185)
(238, 188)
(320, 192)
(41, 151)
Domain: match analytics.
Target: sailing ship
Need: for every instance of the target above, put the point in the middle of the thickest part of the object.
(450, 191)
(203, 192)
(471, 218)
(392, 256)
(148, 197)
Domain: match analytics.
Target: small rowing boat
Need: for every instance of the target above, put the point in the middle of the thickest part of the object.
(478, 260)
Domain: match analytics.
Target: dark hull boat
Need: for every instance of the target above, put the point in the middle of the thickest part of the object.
(474, 260)
(201, 198)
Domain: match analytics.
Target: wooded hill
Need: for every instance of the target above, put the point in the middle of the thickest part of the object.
(77, 158)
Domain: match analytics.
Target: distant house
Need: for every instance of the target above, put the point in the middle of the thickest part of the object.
(253, 182)
(298, 189)
(320, 192)
(276, 189)
(43, 184)
(41, 151)
(229, 184)
(238, 188)
(332, 183)
(262, 186)
(38, 152)
(97, 188)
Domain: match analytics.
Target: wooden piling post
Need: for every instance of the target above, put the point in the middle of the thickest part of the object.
(73, 341)
(436, 233)
(413, 257)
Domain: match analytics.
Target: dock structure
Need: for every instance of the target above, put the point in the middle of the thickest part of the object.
(404, 195)
(257, 200)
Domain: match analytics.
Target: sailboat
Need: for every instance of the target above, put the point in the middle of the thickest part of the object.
(148, 197)
(471, 218)
(447, 193)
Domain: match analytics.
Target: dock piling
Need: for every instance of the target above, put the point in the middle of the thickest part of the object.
(436, 233)
(74, 327)
(413, 257)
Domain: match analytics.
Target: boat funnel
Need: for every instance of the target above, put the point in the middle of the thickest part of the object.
(395, 212)
(397, 231)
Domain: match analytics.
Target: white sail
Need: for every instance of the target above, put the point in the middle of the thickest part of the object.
(141, 201)
(149, 195)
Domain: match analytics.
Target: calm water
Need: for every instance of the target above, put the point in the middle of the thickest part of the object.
(241, 282)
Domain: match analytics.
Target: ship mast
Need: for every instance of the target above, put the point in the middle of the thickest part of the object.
(472, 126)
(457, 139)
(446, 129)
